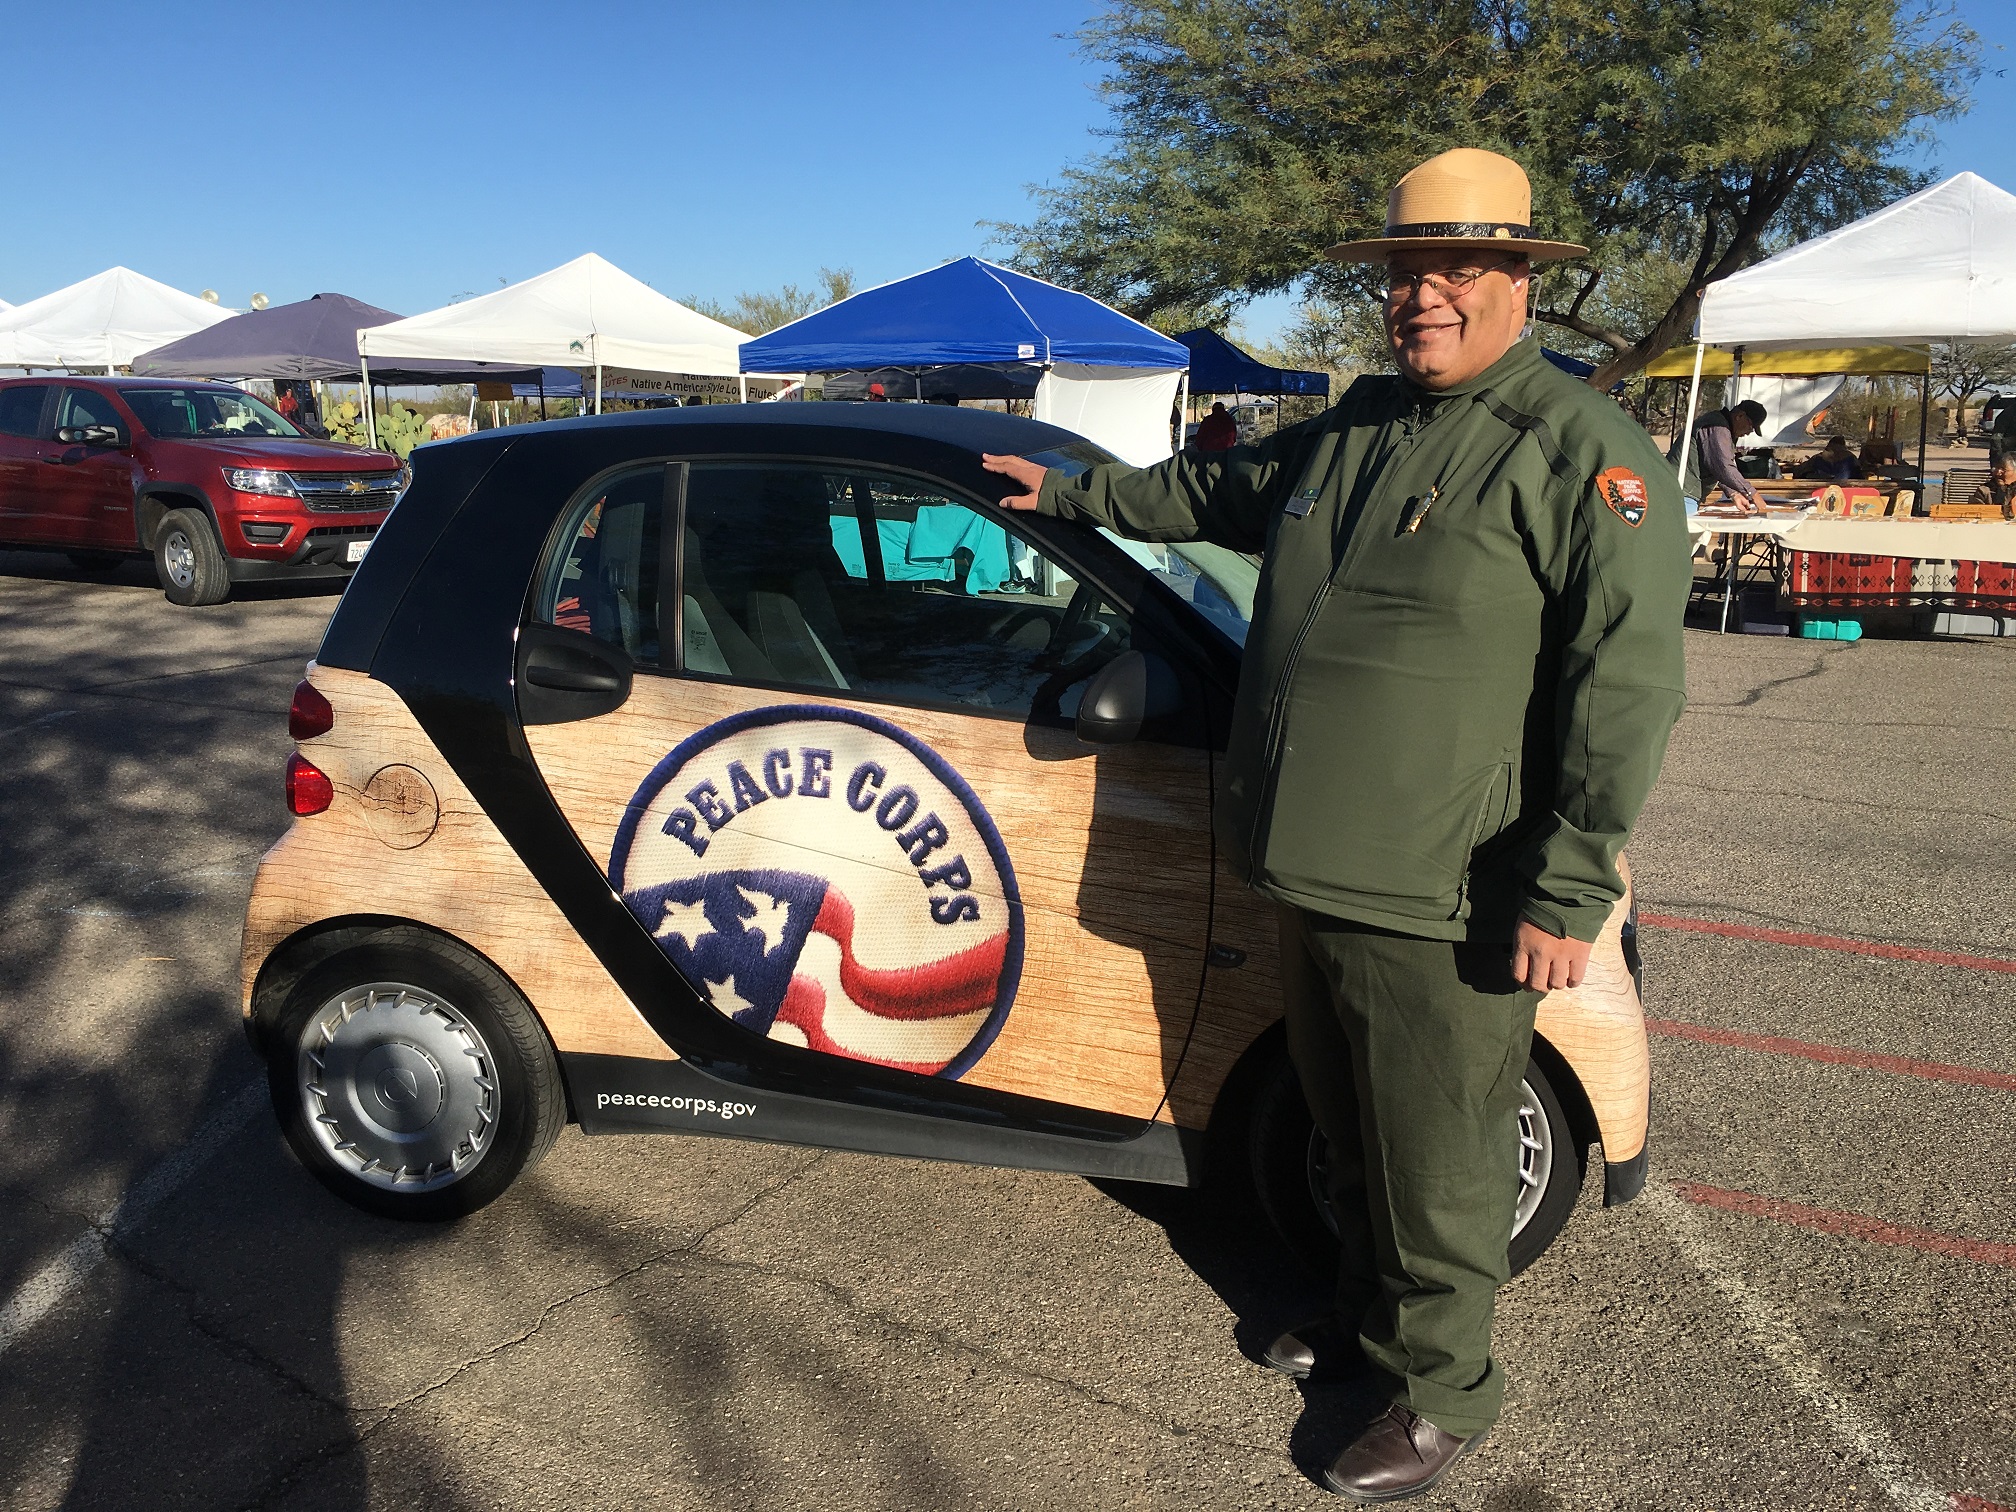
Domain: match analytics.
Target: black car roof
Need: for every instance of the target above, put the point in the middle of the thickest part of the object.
(971, 429)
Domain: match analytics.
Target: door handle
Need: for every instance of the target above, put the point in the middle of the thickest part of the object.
(565, 675)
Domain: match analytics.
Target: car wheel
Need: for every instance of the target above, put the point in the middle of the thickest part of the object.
(1288, 1155)
(94, 561)
(411, 1078)
(189, 561)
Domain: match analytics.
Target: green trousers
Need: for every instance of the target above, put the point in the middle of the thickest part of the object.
(1411, 1053)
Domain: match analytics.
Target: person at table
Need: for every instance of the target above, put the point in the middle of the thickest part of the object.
(1712, 457)
(1833, 463)
(1219, 432)
(1878, 459)
(2000, 489)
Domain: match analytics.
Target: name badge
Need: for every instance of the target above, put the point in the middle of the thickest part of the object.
(1300, 505)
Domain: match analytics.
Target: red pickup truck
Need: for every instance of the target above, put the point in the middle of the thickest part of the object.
(214, 484)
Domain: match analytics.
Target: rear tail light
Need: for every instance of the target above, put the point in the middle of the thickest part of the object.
(309, 714)
(309, 790)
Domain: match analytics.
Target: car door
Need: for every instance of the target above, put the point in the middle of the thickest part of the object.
(21, 431)
(843, 794)
(86, 488)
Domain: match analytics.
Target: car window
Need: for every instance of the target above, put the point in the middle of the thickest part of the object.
(830, 580)
(21, 410)
(204, 412)
(602, 578)
(83, 407)
(1216, 581)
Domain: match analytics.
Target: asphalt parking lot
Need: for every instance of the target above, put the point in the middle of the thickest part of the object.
(1814, 1305)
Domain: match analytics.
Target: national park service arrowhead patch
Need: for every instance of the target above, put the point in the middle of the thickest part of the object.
(1624, 491)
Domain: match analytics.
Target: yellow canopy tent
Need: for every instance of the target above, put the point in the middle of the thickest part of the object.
(1809, 362)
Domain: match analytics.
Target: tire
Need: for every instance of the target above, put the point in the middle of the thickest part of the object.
(189, 560)
(94, 561)
(411, 1079)
(1285, 1153)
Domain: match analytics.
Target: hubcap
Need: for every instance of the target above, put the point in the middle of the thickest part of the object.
(1536, 1163)
(178, 555)
(399, 1086)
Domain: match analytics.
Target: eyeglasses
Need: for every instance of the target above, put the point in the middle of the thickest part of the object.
(1450, 283)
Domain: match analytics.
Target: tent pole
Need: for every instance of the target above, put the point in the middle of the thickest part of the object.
(598, 387)
(542, 393)
(1182, 411)
(1924, 410)
(743, 379)
(1693, 402)
(364, 385)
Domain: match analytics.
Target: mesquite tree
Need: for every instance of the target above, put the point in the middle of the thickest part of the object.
(1248, 135)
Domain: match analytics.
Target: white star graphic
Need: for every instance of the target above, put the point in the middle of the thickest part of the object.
(687, 921)
(772, 914)
(725, 999)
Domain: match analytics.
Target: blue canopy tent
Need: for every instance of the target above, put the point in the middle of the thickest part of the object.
(1219, 367)
(1093, 369)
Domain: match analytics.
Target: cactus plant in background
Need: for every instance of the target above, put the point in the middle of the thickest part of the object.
(399, 429)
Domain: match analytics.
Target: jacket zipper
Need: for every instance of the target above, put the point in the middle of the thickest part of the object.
(1276, 725)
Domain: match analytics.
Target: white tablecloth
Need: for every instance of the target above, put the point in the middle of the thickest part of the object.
(1926, 540)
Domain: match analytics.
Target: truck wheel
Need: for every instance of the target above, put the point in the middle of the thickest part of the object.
(94, 561)
(189, 560)
(1288, 1152)
(411, 1079)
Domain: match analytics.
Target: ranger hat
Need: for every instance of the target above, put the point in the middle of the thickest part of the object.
(1463, 197)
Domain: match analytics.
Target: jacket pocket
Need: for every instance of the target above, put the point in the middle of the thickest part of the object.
(1492, 815)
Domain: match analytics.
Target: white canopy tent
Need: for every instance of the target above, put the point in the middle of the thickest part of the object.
(584, 314)
(103, 322)
(1938, 265)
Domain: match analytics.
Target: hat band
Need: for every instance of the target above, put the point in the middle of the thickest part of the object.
(1467, 230)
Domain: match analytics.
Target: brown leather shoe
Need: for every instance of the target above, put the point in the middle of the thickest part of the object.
(1399, 1456)
(1319, 1351)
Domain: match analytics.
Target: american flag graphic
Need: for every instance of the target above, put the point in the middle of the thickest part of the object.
(775, 951)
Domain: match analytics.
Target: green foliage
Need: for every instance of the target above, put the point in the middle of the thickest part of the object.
(1686, 135)
(760, 313)
(399, 429)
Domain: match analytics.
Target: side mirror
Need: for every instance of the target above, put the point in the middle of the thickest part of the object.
(1129, 690)
(90, 435)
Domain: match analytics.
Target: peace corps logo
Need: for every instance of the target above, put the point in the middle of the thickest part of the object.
(824, 878)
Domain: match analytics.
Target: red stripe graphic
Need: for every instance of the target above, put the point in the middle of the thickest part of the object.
(962, 983)
(1829, 942)
(1964, 1503)
(804, 1008)
(1833, 1055)
(1849, 1225)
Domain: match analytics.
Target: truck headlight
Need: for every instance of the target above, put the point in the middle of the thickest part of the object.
(260, 480)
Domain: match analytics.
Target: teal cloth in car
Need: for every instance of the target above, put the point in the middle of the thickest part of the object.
(922, 551)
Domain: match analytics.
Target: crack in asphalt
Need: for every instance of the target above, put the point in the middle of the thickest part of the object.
(291, 1475)
(258, 711)
(1764, 689)
(1732, 711)
(1006, 1364)
(151, 677)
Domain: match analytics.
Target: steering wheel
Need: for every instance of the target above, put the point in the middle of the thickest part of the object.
(1071, 627)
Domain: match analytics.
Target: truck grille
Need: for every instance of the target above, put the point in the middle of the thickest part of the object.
(347, 492)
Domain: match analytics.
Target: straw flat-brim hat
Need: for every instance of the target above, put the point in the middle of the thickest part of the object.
(1461, 198)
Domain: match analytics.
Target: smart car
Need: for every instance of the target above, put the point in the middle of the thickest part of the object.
(748, 772)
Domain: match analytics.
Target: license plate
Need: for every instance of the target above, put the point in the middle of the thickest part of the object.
(356, 550)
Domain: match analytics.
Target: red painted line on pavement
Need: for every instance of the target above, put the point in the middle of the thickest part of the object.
(1962, 1503)
(1849, 1225)
(1829, 942)
(1833, 1055)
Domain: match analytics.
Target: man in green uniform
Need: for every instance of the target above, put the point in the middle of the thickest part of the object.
(1464, 662)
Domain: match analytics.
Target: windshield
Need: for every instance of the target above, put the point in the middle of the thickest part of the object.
(1215, 581)
(204, 412)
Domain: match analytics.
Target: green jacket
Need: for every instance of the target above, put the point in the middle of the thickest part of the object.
(1465, 655)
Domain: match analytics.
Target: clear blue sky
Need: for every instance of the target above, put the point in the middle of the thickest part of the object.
(411, 154)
